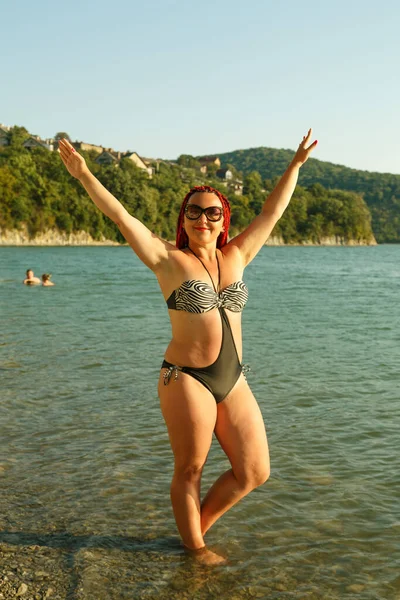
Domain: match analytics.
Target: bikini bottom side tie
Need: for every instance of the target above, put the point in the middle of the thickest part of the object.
(245, 369)
(168, 373)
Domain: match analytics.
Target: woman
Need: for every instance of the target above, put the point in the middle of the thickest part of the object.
(46, 280)
(201, 386)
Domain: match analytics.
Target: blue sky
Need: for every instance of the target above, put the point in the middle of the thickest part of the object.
(165, 78)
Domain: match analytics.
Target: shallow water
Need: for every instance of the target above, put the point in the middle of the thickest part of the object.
(85, 463)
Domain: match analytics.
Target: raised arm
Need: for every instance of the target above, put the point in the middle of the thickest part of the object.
(251, 240)
(151, 249)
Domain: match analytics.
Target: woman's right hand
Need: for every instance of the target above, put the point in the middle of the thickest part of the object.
(75, 163)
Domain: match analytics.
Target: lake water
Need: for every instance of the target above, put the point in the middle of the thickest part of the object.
(85, 463)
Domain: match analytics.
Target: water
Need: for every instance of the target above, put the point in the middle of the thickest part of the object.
(85, 463)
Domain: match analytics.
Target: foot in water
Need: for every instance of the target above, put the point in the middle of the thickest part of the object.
(205, 556)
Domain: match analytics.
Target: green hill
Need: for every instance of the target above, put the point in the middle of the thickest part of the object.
(381, 191)
(37, 193)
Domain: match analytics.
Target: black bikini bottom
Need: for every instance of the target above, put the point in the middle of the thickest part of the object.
(219, 377)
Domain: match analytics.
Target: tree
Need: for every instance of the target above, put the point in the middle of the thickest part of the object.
(252, 187)
(60, 135)
(17, 136)
(187, 160)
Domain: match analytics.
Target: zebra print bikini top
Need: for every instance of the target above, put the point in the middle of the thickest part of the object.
(196, 296)
(199, 297)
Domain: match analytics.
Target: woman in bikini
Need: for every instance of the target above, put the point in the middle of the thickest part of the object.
(201, 386)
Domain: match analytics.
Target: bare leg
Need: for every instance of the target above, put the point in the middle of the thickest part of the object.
(190, 413)
(185, 499)
(241, 432)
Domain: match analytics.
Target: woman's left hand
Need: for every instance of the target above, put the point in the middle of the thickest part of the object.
(304, 150)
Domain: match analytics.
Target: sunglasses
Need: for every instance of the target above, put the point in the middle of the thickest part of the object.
(194, 212)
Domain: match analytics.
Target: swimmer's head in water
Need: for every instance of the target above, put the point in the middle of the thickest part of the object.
(182, 239)
(29, 273)
(46, 276)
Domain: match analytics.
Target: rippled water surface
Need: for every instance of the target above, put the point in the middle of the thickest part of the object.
(85, 463)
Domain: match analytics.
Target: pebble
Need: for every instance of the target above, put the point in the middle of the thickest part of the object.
(356, 588)
(42, 574)
(23, 588)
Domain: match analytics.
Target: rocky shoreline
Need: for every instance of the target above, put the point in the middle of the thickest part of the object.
(53, 237)
(326, 241)
(61, 566)
(32, 572)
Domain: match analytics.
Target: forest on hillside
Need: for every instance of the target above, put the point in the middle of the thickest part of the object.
(381, 191)
(36, 191)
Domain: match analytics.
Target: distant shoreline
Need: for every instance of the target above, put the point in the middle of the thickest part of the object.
(15, 238)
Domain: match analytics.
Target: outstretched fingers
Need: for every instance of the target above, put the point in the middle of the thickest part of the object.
(65, 148)
(306, 139)
(64, 154)
(307, 136)
(74, 162)
(66, 144)
(305, 148)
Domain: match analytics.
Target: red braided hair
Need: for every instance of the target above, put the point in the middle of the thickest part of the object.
(182, 239)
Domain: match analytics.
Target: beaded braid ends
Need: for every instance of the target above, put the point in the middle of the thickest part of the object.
(182, 239)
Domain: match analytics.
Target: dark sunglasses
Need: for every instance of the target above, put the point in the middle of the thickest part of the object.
(213, 213)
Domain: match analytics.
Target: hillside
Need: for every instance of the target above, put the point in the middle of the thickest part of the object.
(38, 196)
(381, 191)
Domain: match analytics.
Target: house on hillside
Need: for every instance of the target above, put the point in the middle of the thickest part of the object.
(142, 163)
(207, 161)
(237, 187)
(34, 141)
(85, 146)
(110, 157)
(107, 157)
(225, 174)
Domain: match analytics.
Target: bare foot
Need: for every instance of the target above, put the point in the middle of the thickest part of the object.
(205, 556)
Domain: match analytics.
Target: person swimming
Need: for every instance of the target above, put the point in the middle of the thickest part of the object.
(30, 278)
(46, 280)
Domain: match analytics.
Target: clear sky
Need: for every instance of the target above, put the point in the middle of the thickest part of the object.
(174, 77)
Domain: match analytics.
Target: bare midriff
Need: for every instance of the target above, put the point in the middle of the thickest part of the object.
(196, 338)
